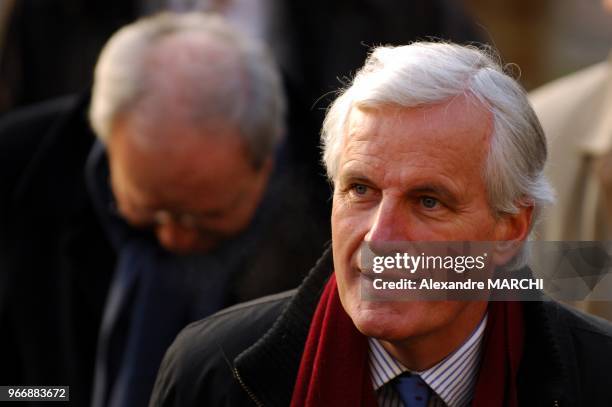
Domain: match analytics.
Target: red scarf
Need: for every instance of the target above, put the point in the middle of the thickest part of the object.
(501, 356)
(334, 369)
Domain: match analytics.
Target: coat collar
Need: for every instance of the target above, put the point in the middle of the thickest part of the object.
(548, 364)
(270, 366)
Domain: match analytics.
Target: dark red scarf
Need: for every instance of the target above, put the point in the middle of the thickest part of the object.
(501, 356)
(334, 370)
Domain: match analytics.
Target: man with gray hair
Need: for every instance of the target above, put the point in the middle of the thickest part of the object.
(182, 205)
(191, 114)
(432, 142)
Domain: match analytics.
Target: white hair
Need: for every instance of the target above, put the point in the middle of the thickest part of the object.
(243, 89)
(425, 73)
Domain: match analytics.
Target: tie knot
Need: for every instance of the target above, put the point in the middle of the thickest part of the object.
(413, 391)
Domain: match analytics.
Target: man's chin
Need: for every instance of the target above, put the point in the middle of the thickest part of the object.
(382, 320)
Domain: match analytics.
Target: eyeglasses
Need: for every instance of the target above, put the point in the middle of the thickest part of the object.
(186, 220)
(164, 217)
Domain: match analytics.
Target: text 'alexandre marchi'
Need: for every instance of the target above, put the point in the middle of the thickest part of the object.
(469, 284)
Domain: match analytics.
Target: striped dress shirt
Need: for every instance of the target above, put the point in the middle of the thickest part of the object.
(452, 380)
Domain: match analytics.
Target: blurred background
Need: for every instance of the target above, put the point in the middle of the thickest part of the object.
(545, 38)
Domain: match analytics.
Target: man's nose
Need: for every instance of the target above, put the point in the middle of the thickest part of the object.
(390, 223)
(176, 238)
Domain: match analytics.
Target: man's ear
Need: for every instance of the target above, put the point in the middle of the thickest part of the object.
(511, 231)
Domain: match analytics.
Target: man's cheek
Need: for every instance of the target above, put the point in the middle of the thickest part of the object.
(350, 224)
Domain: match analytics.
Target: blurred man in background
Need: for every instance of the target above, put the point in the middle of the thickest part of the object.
(576, 114)
(110, 245)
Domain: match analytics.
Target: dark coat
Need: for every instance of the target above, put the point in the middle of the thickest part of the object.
(249, 354)
(56, 262)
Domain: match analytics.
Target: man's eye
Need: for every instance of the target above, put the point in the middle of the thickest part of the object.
(429, 202)
(360, 189)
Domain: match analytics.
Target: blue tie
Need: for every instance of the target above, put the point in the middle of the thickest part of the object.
(413, 391)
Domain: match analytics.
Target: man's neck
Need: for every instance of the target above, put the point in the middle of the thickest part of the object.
(422, 352)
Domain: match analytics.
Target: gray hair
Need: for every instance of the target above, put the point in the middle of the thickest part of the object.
(244, 89)
(426, 73)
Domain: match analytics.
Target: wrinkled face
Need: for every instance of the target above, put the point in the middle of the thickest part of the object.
(193, 191)
(411, 174)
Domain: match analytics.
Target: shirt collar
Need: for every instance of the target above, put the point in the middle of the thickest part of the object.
(452, 379)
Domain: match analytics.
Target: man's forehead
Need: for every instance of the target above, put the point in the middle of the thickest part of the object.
(169, 159)
(460, 111)
(461, 119)
(423, 144)
(176, 130)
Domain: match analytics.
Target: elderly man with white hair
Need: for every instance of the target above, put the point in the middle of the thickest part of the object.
(432, 142)
(184, 204)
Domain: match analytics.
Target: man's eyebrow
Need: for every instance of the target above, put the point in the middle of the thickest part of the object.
(354, 176)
